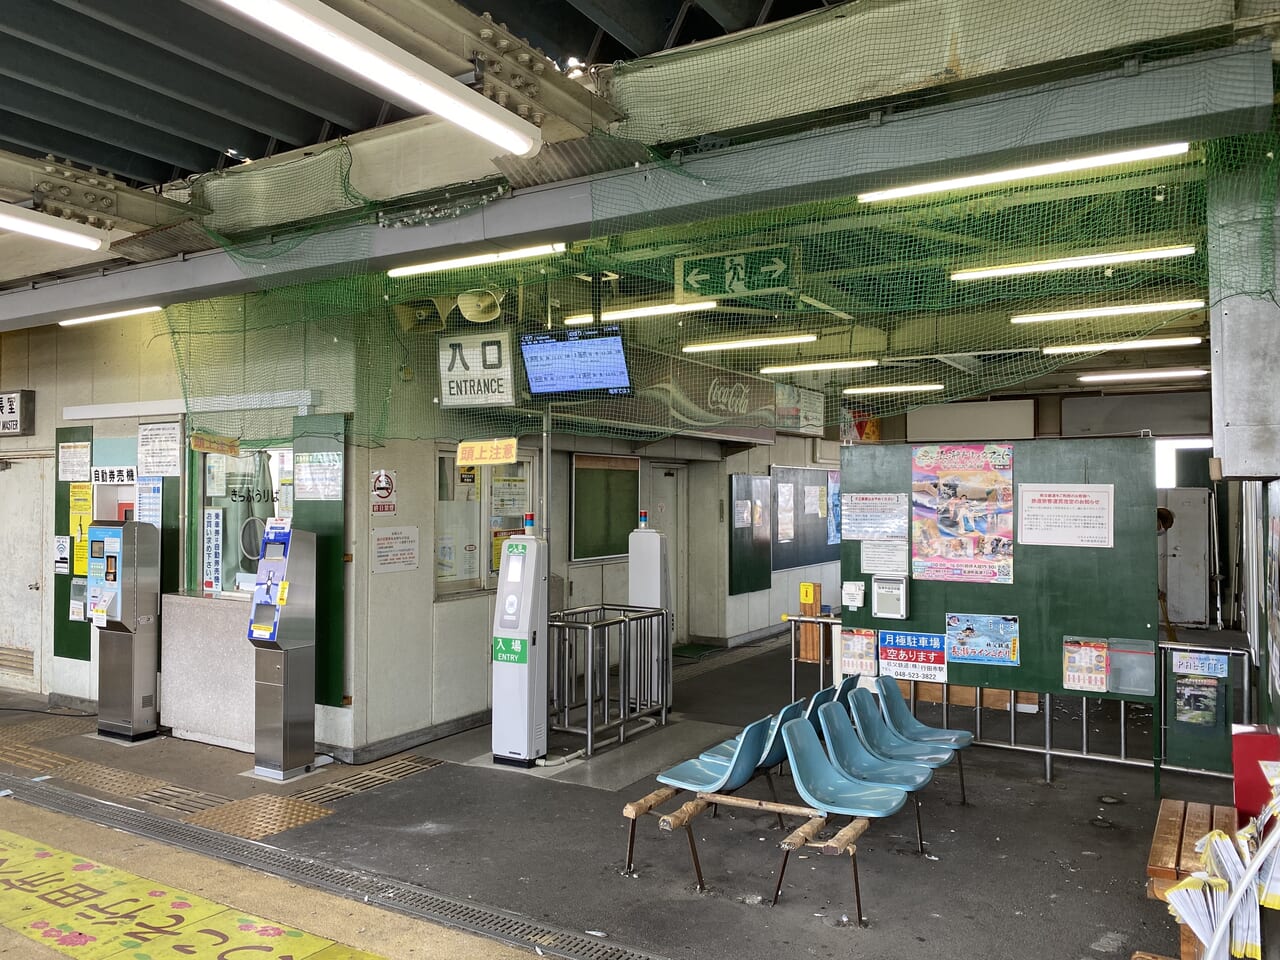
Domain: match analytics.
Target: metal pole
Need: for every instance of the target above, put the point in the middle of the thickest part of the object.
(1084, 726)
(1124, 713)
(793, 661)
(591, 690)
(1048, 737)
(1013, 713)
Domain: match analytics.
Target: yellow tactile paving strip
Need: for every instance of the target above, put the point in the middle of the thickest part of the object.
(82, 908)
(258, 816)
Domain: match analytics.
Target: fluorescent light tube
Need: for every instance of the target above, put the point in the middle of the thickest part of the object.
(341, 40)
(76, 321)
(1154, 344)
(1184, 374)
(1120, 310)
(653, 310)
(477, 260)
(898, 388)
(1074, 263)
(46, 227)
(820, 365)
(777, 341)
(1026, 173)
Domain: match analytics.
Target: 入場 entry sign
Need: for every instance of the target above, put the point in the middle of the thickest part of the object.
(913, 656)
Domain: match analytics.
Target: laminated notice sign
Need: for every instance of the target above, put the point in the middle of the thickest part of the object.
(913, 656)
(962, 513)
(858, 652)
(1066, 514)
(1084, 664)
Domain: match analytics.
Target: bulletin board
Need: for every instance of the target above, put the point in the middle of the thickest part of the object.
(801, 506)
(606, 505)
(1056, 591)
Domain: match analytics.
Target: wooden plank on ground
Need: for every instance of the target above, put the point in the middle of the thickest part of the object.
(768, 806)
(1197, 822)
(1165, 843)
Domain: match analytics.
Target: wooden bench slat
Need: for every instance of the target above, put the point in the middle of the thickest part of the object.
(638, 808)
(674, 821)
(798, 837)
(843, 840)
(1197, 822)
(1165, 844)
(1224, 819)
(768, 806)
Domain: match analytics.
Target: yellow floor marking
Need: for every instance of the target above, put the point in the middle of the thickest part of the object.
(82, 908)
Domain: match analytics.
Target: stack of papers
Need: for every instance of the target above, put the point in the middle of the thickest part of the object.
(1200, 902)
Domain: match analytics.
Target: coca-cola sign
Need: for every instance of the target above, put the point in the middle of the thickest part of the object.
(729, 397)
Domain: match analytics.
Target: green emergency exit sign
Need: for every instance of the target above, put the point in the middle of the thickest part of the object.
(510, 650)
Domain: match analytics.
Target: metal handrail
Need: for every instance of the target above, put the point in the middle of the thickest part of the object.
(827, 623)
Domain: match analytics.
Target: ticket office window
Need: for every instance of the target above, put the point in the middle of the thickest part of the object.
(477, 509)
(242, 493)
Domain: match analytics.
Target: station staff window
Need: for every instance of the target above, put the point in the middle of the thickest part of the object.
(237, 496)
(477, 509)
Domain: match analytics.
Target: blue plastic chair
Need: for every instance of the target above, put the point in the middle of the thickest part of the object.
(774, 749)
(898, 715)
(703, 776)
(825, 695)
(824, 787)
(886, 744)
(847, 685)
(901, 721)
(854, 760)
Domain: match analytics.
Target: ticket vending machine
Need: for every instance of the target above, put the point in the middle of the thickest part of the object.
(123, 593)
(520, 653)
(649, 585)
(283, 628)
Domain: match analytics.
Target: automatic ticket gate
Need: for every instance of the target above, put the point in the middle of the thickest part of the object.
(123, 593)
(520, 651)
(649, 585)
(283, 628)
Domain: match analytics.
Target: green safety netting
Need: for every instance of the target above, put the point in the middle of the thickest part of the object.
(858, 279)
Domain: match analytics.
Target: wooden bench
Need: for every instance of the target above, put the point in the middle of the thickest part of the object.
(1173, 857)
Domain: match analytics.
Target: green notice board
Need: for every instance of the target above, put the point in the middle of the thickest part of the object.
(1057, 591)
(606, 505)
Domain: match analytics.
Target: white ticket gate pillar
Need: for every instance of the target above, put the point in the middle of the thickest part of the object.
(649, 585)
(521, 645)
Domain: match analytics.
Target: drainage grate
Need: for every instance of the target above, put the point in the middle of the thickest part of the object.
(182, 799)
(32, 731)
(34, 758)
(259, 816)
(367, 779)
(381, 891)
(96, 776)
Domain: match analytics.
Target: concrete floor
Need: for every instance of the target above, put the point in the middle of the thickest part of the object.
(1026, 868)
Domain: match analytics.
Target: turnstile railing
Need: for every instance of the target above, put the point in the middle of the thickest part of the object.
(610, 665)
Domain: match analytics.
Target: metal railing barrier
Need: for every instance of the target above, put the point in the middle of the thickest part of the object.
(587, 643)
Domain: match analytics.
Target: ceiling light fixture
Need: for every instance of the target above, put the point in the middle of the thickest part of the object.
(652, 310)
(137, 311)
(33, 223)
(1120, 310)
(1172, 374)
(748, 344)
(1154, 344)
(820, 365)
(323, 30)
(1074, 263)
(477, 260)
(899, 388)
(1028, 172)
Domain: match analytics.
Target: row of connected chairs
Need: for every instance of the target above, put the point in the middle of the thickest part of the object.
(868, 770)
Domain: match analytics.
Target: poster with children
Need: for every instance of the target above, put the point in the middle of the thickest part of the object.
(962, 512)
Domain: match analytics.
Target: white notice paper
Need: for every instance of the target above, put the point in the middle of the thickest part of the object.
(815, 498)
(1066, 514)
(885, 556)
(786, 512)
(853, 594)
(394, 549)
(159, 449)
(873, 516)
(74, 460)
(318, 475)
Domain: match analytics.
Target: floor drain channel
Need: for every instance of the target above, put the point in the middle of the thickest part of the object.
(382, 891)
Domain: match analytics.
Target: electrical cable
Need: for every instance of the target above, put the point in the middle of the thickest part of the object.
(52, 713)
